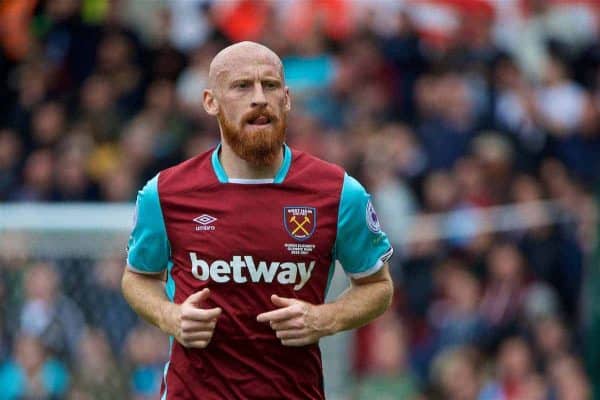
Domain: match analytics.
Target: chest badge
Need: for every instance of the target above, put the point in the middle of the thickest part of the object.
(300, 222)
(205, 222)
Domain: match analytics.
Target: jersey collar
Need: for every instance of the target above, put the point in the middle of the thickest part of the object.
(279, 176)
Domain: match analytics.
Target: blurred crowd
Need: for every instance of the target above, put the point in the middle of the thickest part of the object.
(440, 107)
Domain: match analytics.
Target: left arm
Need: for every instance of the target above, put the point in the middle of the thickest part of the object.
(298, 323)
(360, 247)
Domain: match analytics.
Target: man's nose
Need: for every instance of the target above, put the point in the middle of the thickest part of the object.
(258, 96)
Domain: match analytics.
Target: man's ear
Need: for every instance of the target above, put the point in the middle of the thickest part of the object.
(209, 101)
(288, 100)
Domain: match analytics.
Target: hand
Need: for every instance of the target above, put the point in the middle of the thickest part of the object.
(298, 323)
(191, 325)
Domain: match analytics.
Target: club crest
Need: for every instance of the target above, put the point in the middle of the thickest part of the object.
(300, 222)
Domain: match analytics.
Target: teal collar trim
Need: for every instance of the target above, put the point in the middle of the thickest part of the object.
(285, 165)
(279, 176)
(217, 167)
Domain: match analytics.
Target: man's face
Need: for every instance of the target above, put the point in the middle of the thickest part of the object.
(252, 106)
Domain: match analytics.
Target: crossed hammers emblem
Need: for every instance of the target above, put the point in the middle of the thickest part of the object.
(300, 225)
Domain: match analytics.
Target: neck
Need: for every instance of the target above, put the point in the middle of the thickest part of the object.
(238, 168)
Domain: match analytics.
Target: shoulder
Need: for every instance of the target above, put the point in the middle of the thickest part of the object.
(321, 170)
(352, 187)
(191, 174)
(307, 160)
(305, 165)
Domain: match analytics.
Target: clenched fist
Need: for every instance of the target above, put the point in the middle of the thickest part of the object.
(298, 323)
(191, 325)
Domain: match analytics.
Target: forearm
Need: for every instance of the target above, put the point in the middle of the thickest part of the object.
(146, 295)
(361, 303)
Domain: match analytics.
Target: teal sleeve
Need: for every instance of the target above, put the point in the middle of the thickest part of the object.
(12, 381)
(55, 377)
(361, 246)
(148, 248)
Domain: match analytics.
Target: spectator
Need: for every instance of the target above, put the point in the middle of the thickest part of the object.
(193, 80)
(536, 388)
(48, 314)
(551, 339)
(98, 111)
(440, 192)
(115, 62)
(511, 110)
(11, 148)
(457, 375)
(118, 185)
(146, 352)
(568, 379)
(559, 103)
(5, 340)
(32, 88)
(514, 372)
(115, 317)
(392, 197)
(97, 376)
(447, 119)
(32, 373)
(387, 373)
(37, 177)
(496, 156)
(72, 183)
(455, 316)
(47, 125)
(190, 23)
(471, 182)
(506, 287)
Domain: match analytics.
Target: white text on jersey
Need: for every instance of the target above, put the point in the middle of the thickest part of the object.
(222, 271)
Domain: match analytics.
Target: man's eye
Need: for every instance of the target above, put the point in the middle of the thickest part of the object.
(270, 85)
(241, 85)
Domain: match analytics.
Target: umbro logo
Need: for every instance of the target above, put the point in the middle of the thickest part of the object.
(205, 222)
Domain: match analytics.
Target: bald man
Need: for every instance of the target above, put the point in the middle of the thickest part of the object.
(247, 236)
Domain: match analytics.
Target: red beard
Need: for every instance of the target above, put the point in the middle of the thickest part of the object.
(259, 147)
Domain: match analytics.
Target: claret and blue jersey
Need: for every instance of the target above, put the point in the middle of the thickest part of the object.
(247, 240)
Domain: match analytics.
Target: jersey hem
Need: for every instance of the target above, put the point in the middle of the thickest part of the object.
(165, 371)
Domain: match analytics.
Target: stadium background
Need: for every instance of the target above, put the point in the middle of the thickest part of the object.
(474, 124)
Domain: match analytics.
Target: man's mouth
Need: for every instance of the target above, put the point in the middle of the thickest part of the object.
(260, 120)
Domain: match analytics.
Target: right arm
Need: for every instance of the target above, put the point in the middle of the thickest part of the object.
(145, 293)
(143, 280)
(186, 322)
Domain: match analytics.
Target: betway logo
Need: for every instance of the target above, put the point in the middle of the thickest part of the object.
(243, 268)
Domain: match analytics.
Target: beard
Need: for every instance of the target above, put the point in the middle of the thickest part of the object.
(259, 147)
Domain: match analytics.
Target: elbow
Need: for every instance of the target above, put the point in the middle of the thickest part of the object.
(388, 294)
(387, 289)
(125, 283)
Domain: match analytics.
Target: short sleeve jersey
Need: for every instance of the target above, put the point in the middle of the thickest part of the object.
(247, 240)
